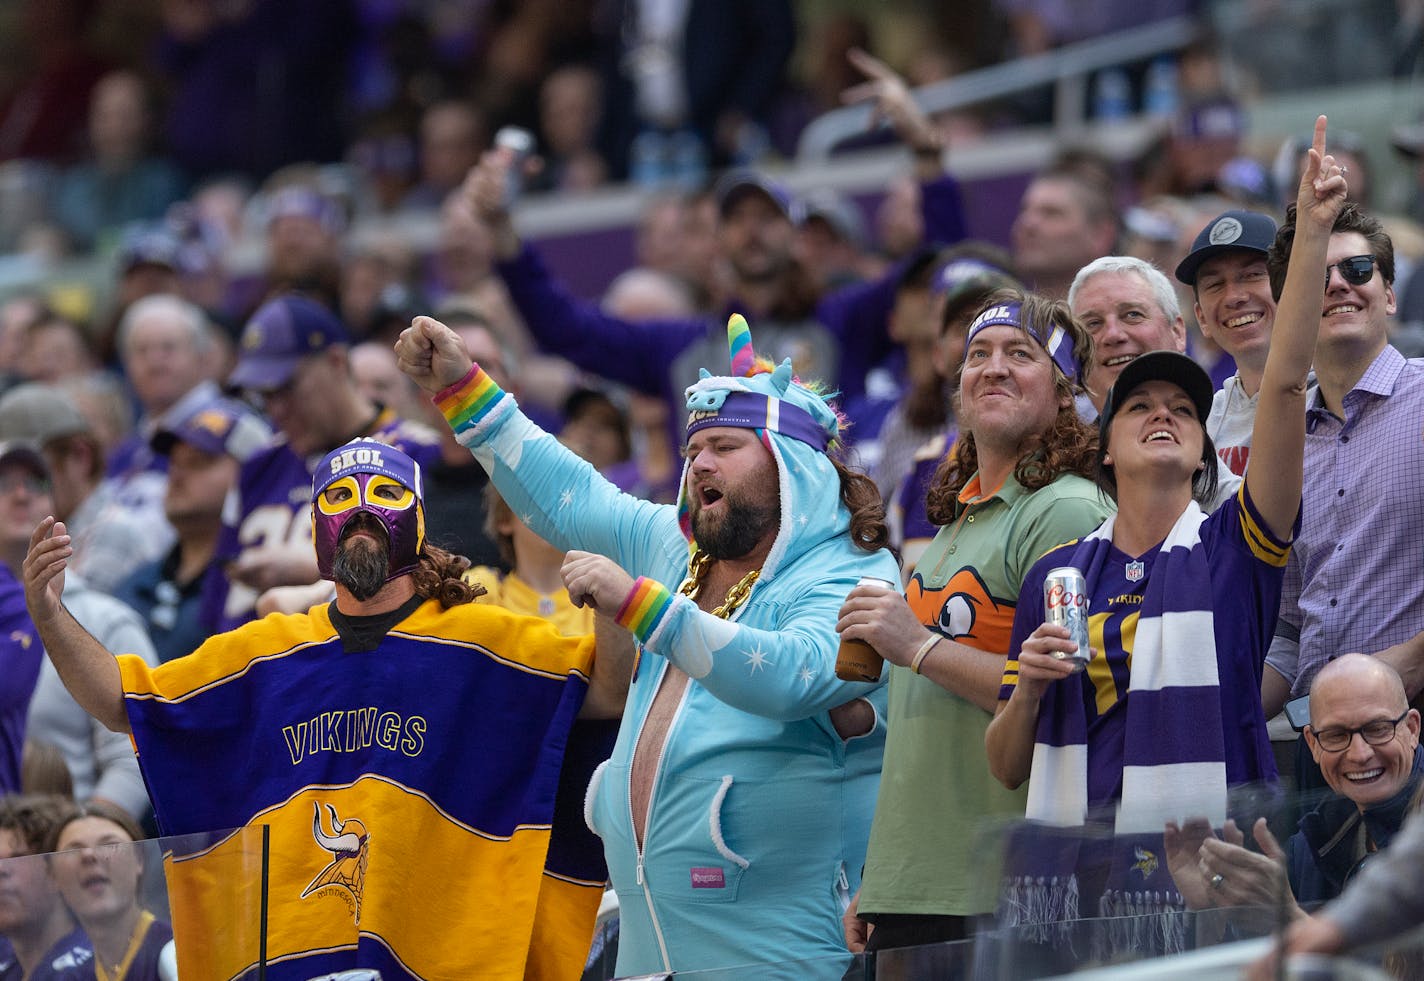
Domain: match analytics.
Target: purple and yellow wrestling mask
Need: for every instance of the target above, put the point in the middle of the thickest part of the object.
(369, 477)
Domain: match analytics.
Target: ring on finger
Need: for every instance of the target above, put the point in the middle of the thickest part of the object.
(1217, 880)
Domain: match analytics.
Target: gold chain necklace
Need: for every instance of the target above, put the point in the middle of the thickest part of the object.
(697, 571)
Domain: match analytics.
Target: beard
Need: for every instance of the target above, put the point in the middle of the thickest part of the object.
(361, 564)
(737, 531)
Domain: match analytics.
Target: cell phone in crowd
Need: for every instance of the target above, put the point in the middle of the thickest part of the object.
(1298, 712)
(521, 142)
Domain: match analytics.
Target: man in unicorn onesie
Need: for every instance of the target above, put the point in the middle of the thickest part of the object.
(735, 809)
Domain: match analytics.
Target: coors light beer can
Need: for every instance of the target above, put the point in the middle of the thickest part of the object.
(1065, 604)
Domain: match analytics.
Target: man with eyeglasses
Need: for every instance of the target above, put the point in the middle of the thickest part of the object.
(1365, 739)
(1353, 580)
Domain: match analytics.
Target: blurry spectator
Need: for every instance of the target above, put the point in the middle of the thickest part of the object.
(203, 449)
(464, 273)
(677, 234)
(384, 153)
(898, 224)
(38, 936)
(690, 85)
(373, 368)
(1350, 151)
(452, 136)
(1204, 135)
(111, 537)
(570, 103)
(304, 229)
(101, 763)
(42, 113)
(149, 262)
(43, 770)
(120, 182)
(376, 277)
(1129, 307)
(294, 358)
(54, 347)
(17, 313)
(105, 403)
(254, 84)
(1408, 139)
(831, 239)
(99, 868)
(647, 294)
(169, 355)
(1066, 220)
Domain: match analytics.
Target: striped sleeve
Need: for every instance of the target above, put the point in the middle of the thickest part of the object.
(1257, 536)
(471, 401)
(645, 609)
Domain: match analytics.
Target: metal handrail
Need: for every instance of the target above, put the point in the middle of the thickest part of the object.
(1066, 68)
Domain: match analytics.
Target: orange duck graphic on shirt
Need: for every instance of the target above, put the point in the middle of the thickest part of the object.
(963, 610)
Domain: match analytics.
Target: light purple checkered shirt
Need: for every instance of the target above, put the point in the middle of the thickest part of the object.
(1355, 579)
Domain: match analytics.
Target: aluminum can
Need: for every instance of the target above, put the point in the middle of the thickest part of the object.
(855, 659)
(1065, 604)
(520, 142)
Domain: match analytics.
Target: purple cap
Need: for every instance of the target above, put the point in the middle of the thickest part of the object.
(150, 246)
(280, 334)
(1058, 343)
(218, 426)
(739, 183)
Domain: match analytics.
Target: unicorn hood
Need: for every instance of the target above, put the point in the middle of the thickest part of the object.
(795, 424)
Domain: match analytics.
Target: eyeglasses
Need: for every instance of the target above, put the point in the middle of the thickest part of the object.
(1356, 270)
(1376, 733)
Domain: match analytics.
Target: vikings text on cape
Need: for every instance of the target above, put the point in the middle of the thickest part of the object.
(347, 730)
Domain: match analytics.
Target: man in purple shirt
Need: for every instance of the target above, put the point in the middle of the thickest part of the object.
(1353, 582)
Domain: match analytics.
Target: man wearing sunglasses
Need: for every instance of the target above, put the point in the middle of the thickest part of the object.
(1365, 738)
(1353, 582)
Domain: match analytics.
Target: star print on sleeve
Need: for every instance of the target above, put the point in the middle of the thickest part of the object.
(566, 498)
(806, 675)
(757, 659)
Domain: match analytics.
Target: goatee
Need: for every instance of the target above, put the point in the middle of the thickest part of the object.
(361, 565)
(739, 531)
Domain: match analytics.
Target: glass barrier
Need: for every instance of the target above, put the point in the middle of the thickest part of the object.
(143, 911)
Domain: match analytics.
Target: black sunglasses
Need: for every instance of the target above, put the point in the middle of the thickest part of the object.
(1356, 270)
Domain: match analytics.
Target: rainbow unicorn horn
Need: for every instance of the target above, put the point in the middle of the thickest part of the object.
(739, 343)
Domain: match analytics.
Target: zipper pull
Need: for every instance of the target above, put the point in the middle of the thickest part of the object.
(640, 870)
(842, 879)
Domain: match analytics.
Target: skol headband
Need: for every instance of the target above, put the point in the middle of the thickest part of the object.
(1057, 342)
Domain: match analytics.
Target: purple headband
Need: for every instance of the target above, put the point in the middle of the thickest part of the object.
(1058, 343)
(751, 410)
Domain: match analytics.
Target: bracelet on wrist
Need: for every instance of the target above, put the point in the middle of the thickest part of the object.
(923, 652)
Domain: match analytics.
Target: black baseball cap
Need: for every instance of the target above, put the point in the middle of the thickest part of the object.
(1166, 366)
(1248, 230)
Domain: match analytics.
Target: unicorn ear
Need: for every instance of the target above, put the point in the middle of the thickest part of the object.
(781, 377)
(739, 343)
(703, 373)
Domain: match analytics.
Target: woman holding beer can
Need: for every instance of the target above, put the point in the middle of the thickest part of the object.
(1181, 606)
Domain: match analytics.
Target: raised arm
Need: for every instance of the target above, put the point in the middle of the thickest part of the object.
(87, 669)
(1278, 436)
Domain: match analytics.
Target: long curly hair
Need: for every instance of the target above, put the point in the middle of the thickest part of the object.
(1068, 446)
(867, 511)
(439, 575)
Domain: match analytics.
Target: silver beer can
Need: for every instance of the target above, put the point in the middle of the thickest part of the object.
(1065, 604)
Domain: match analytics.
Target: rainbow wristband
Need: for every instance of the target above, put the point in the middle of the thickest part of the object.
(468, 401)
(644, 609)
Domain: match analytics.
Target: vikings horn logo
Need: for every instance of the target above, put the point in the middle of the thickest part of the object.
(347, 870)
(1146, 861)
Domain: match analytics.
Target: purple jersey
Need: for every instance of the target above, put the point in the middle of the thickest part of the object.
(1244, 595)
(20, 657)
(271, 505)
